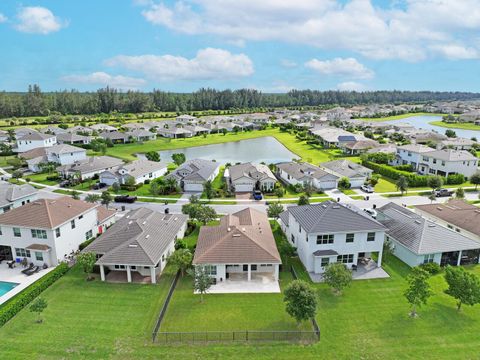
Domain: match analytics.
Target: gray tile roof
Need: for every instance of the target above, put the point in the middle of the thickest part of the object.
(420, 235)
(346, 168)
(451, 155)
(252, 171)
(91, 164)
(36, 136)
(11, 192)
(300, 171)
(330, 217)
(198, 169)
(139, 238)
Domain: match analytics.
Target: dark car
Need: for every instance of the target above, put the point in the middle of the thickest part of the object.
(65, 183)
(98, 186)
(125, 199)
(257, 195)
(443, 192)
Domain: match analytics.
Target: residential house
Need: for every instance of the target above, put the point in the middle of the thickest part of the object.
(241, 247)
(336, 137)
(60, 154)
(185, 118)
(139, 170)
(45, 231)
(141, 135)
(294, 173)
(331, 232)
(417, 240)
(34, 140)
(88, 168)
(197, 129)
(456, 144)
(102, 128)
(54, 130)
(248, 177)
(138, 244)
(359, 147)
(73, 139)
(192, 174)
(80, 130)
(174, 132)
(356, 173)
(115, 137)
(13, 196)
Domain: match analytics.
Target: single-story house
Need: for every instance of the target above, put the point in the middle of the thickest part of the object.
(356, 173)
(174, 132)
(248, 177)
(115, 136)
(294, 173)
(103, 128)
(140, 170)
(193, 174)
(73, 138)
(90, 167)
(141, 135)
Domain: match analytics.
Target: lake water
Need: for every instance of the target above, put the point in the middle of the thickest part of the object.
(264, 149)
(422, 122)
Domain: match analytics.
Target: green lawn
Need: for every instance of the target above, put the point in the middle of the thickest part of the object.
(399, 117)
(41, 178)
(349, 192)
(385, 185)
(465, 126)
(4, 159)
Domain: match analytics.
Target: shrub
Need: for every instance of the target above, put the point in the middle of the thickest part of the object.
(12, 307)
(408, 167)
(146, 182)
(55, 177)
(84, 244)
(455, 179)
(431, 268)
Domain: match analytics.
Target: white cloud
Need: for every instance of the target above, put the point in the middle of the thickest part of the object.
(348, 67)
(351, 86)
(208, 64)
(3, 18)
(456, 52)
(288, 63)
(407, 29)
(104, 79)
(38, 20)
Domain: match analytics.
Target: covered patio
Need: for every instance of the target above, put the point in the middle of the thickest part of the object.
(121, 277)
(239, 283)
(365, 270)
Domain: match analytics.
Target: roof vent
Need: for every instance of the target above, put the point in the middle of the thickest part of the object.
(418, 221)
(143, 223)
(147, 236)
(132, 245)
(229, 229)
(175, 219)
(431, 225)
(243, 229)
(439, 208)
(335, 207)
(130, 222)
(236, 235)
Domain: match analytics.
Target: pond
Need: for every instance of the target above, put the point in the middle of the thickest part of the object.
(264, 149)
(422, 122)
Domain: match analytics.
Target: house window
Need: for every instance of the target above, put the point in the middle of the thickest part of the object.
(39, 234)
(299, 229)
(80, 217)
(371, 236)
(38, 256)
(443, 163)
(350, 238)
(119, 267)
(450, 226)
(425, 158)
(434, 161)
(428, 258)
(72, 223)
(88, 235)
(57, 232)
(22, 252)
(345, 258)
(293, 239)
(325, 262)
(210, 269)
(325, 239)
(253, 267)
(17, 232)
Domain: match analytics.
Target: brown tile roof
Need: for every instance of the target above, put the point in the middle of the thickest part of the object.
(39, 247)
(103, 213)
(46, 213)
(456, 212)
(242, 237)
(34, 153)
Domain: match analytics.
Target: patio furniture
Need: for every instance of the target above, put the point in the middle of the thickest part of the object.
(11, 264)
(354, 267)
(28, 268)
(32, 271)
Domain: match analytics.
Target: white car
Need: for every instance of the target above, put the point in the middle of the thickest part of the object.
(367, 189)
(371, 212)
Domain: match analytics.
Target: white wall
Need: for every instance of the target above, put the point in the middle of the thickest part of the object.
(25, 145)
(409, 257)
(20, 202)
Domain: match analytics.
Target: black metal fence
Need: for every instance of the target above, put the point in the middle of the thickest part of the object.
(304, 337)
(165, 305)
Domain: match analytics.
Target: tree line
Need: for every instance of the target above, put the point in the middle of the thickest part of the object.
(34, 102)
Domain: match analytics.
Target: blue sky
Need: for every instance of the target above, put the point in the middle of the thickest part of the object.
(271, 45)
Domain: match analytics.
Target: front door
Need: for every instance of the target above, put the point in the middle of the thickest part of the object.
(245, 268)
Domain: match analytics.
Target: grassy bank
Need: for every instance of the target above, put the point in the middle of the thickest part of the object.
(464, 126)
(399, 117)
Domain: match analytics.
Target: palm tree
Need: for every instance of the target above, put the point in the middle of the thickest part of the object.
(402, 184)
(92, 198)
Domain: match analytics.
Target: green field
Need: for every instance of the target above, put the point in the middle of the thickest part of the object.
(465, 126)
(399, 117)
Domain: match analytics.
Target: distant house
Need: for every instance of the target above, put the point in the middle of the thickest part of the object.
(103, 128)
(359, 147)
(115, 136)
(356, 173)
(138, 245)
(45, 231)
(417, 240)
(140, 170)
(54, 130)
(13, 196)
(185, 118)
(90, 167)
(294, 173)
(80, 130)
(331, 232)
(197, 129)
(192, 175)
(248, 177)
(34, 140)
(73, 139)
(456, 144)
(60, 154)
(241, 247)
(174, 132)
(335, 137)
(141, 135)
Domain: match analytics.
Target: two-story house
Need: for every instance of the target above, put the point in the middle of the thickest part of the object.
(63, 154)
(13, 196)
(35, 140)
(45, 231)
(331, 232)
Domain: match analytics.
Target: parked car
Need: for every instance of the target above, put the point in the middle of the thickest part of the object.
(443, 193)
(125, 199)
(257, 195)
(367, 188)
(98, 186)
(65, 183)
(371, 212)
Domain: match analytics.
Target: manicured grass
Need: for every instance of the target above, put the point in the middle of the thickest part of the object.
(465, 126)
(4, 159)
(349, 192)
(41, 178)
(385, 185)
(398, 117)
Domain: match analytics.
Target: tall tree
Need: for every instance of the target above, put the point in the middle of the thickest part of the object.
(107, 198)
(475, 179)
(462, 286)
(300, 301)
(201, 280)
(402, 184)
(181, 259)
(337, 276)
(418, 290)
(435, 182)
(274, 210)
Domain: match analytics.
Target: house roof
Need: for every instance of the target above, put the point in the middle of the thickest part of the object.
(346, 168)
(456, 212)
(451, 155)
(141, 167)
(362, 144)
(93, 163)
(416, 148)
(139, 238)
(71, 137)
(197, 169)
(242, 237)
(104, 214)
(114, 135)
(329, 216)
(140, 133)
(11, 192)
(419, 235)
(300, 171)
(256, 172)
(46, 213)
(36, 136)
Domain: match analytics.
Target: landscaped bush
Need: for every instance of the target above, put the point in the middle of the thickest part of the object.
(130, 187)
(54, 177)
(455, 179)
(431, 268)
(84, 244)
(407, 167)
(12, 307)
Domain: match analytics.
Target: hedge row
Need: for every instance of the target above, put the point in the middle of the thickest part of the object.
(414, 180)
(21, 300)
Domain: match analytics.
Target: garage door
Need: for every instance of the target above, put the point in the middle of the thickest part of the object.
(193, 187)
(356, 183)
(244, 188)
(325, 185)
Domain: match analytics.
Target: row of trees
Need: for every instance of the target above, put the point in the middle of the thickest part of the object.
(107, 100)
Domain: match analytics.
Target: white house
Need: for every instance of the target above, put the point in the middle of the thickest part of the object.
(248, 177)
(13, 196)
(90, 167)
(138, 244)
(45, 231)
(35, 140)
(193, 174)
(356, 173)
(336, 137)
(294, 173)
(60, 154)
(330, 232)
(417, 240)
(140, 170)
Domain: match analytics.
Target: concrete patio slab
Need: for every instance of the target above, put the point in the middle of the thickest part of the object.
(260, 283)
(364, 272)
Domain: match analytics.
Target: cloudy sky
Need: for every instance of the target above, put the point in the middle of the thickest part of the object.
(270, 45)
